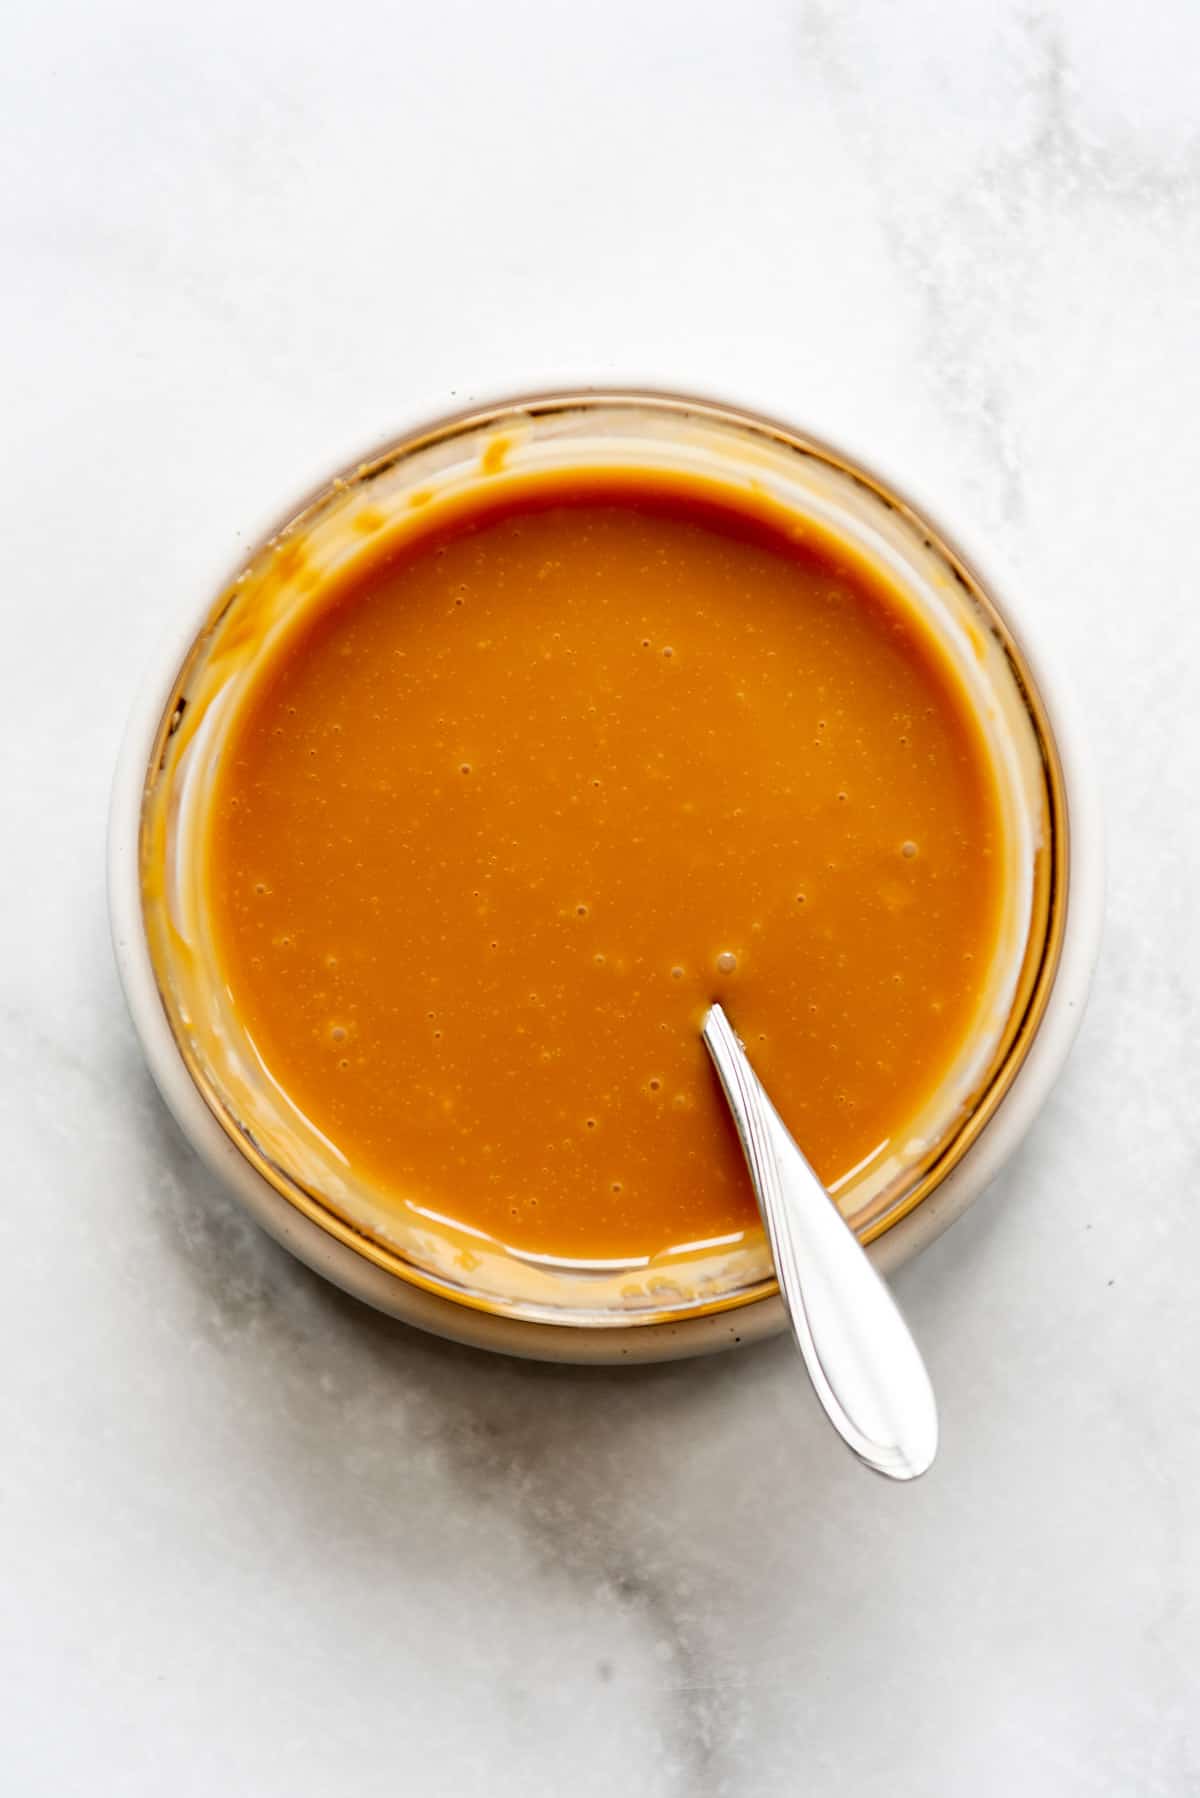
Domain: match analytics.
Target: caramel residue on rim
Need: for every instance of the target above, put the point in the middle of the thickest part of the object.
(496, 453)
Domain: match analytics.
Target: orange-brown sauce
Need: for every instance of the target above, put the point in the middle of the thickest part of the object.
(530, 787)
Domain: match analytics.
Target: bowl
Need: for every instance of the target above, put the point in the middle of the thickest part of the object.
(429, 1270)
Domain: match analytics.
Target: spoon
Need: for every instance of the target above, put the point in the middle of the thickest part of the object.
(862, 1360)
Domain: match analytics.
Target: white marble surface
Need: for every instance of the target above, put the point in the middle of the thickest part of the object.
(260, 1541)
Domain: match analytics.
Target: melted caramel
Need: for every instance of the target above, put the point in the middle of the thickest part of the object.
(535, 782)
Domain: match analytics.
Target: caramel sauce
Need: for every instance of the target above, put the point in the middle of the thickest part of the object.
(532, 783)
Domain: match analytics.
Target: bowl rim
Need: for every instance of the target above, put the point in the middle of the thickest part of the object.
(1050, 1039)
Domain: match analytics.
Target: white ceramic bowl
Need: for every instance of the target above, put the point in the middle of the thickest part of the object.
(1028, 1077)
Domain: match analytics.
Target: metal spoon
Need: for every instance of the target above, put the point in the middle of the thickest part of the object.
(865, 1366)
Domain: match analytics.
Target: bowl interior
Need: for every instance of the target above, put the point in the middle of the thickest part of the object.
(402, 490)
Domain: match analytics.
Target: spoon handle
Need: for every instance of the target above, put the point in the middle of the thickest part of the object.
(865, 1366)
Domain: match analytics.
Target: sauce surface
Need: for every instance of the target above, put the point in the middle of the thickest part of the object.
(528, 790)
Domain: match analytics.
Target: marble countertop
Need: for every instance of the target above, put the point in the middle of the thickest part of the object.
(262, 1541)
